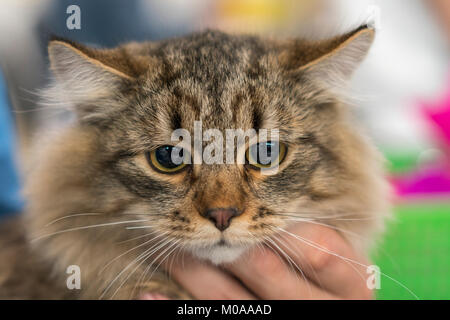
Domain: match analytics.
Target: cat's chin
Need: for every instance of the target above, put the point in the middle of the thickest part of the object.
(219, 254)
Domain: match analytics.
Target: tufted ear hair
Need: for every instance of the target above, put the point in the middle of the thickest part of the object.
(87, 78)
(331, 60)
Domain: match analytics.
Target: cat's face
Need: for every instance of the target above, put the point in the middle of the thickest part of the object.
(136, 96)
(218, 208)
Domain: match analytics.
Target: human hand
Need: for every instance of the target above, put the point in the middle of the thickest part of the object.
(304, 262)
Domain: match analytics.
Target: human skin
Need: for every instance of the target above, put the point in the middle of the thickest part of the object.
(331, 270)
(441, 9)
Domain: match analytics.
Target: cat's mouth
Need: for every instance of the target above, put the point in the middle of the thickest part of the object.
(223, 243)
(219, 252)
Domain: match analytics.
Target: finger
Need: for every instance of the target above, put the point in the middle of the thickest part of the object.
(153, 296)
(205, 281)
(269, 277)
(327, 259)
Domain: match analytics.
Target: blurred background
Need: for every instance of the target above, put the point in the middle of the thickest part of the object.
(402, 96)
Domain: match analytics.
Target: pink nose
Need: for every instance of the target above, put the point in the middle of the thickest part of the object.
(221, 216)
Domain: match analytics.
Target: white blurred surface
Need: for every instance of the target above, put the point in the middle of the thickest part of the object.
(408, 63)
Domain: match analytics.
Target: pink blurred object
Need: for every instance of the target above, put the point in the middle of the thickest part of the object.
(432, 179)
(425, 182)
(439, 117)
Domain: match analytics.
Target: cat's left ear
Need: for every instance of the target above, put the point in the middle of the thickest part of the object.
(331, 60)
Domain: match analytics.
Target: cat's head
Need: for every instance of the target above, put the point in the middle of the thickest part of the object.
(129, 100)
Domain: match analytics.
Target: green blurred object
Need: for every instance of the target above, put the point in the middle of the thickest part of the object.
(401, 161)
(416, 252)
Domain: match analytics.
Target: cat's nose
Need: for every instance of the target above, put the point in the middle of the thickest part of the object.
(221, 216)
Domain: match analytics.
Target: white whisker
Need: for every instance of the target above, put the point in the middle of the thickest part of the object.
(148, 256)
(72, 215)
(328, 226)
(139, 227)
(136, 238)
(147, 253)
(292, 263)
(174, 247)
(315, 245)
(296, 254)
(86, 227)
(319, 215)
(132, 249)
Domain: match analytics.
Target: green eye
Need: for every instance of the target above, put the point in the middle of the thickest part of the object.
(167, 159)
(265, 155)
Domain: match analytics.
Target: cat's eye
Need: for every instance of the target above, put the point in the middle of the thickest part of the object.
(265, 155)
(167, 159)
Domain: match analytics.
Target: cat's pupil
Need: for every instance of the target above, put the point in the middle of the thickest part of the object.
(164, 156)
(265, 153)
(269, 149)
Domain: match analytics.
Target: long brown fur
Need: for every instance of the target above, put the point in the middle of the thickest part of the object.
(128, 100)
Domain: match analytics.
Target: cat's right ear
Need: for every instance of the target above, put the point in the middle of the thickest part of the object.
(72, 62)
(85, 76)
(76, 66)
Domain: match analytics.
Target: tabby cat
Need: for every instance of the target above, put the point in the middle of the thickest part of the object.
(104, 194)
